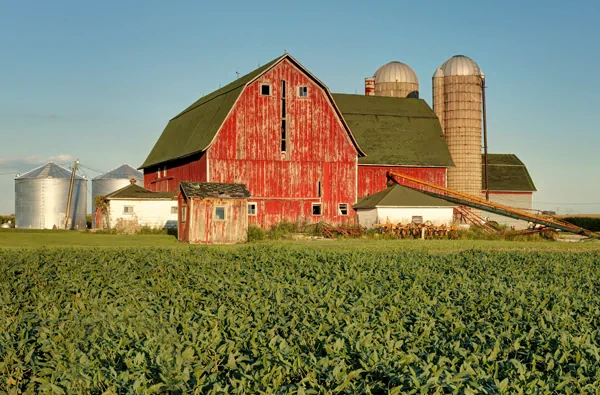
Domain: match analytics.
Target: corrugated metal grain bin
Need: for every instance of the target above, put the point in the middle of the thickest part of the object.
(41, 199)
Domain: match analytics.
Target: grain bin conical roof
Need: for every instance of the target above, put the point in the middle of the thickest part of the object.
(49, 170)
(124, 171)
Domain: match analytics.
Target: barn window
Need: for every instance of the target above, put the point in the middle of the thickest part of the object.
(303, 91)
(173, 209)
(316, 208)
(251, 208)
(158, 173)
(128, 210)
(183, 213)
(220, 213)
(343, 209)
(165, 171)
(283, 136)
(265, 90)
(417, 219)
(319, 192)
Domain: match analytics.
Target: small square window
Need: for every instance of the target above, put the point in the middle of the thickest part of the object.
(173, 209)
(128, 210)
(251, 208)
(343, 209)
(303, 91)
(417, 219)
(220, 213)
(183, 213)
(158, 173)
(265, 90)
(316, 209)
(165, 171)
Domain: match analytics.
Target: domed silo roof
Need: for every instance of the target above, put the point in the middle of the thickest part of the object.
(460, 65)
(49, 170)
(122, 172)
(438, 73)
(395, 72)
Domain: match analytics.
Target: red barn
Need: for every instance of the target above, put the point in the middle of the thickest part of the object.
(278, 131)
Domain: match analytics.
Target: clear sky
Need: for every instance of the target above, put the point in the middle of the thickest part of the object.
(99, 80)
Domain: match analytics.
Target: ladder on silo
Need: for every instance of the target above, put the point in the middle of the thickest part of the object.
(464, 199)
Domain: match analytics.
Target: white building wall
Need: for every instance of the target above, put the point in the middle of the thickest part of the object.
(154, 214)
(517, 200)
(404, 215)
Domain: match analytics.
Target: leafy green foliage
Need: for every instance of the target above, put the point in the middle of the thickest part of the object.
(281, 320)
(255, 233)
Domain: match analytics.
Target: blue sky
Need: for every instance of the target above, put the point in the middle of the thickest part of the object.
(99, 81)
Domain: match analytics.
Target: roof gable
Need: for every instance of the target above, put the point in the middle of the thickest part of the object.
(395, 131)
(506, 172)
(194, 129)
(133, 191)
(401, 196)
(219, 190)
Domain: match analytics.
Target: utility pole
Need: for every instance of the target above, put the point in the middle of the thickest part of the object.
(485, 145)
(70, 193)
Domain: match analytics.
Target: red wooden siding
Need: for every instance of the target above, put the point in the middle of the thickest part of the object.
(247, 150)
(203, 228)
(372, 179)
(192, 168)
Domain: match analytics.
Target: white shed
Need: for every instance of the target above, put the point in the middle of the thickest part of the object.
(131, 208)
(399, 204)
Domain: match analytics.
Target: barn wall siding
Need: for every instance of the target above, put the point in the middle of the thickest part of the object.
(372, 179)
(192, 168)
(247, 150)
(205, 229)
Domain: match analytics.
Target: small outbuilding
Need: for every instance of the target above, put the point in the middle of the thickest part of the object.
(133, 207)
(213, 213)
(399, 204)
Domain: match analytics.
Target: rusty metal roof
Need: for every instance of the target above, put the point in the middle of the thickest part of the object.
(395, 131)
(507, 173)
(135, 192)
(214, 190)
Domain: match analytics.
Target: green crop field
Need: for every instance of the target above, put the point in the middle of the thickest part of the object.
(282, 319)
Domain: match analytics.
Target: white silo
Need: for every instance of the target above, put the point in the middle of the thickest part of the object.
(457, 101)
(112, 181)
(41, 197)
(394, 79)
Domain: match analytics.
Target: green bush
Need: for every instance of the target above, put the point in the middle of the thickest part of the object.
(589, 223)
(266, 319)
(255, 233)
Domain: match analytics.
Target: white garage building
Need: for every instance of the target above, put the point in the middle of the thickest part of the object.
(398, 204)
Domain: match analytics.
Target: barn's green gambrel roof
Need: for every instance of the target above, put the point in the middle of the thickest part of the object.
(395, 131)
(194, 129)
(507, 173)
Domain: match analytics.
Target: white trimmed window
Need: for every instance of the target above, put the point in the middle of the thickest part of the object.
(252, 209)
(316, 209)
(183, 213)
(343, 209)
(128, 210)
(173, 209)
(265, 89)
(303, 91)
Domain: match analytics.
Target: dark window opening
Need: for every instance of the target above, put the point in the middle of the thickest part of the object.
(265, 90)
(303, 91)
(283, 88)
(251, 208)
(343, 209)
(316, 209)
(283, 136)
(220, 213)
(319, 188)
(183, 213)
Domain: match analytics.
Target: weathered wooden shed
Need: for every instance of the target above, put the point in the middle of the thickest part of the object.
(213, 213)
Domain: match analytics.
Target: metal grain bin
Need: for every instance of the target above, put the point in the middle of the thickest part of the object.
(111, 181)
(41, 199)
